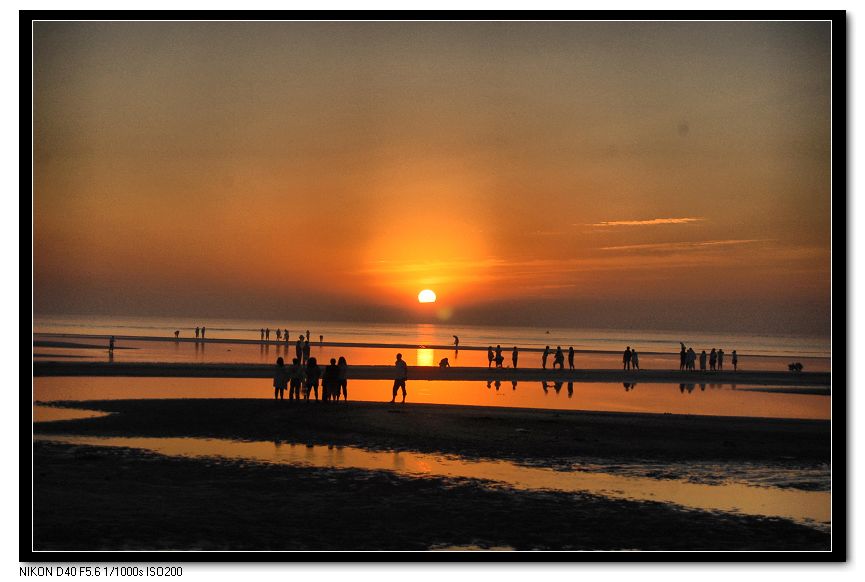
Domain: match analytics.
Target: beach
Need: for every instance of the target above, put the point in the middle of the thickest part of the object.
(268, 506)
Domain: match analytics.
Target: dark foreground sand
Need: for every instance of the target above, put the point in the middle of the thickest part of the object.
(94, 498)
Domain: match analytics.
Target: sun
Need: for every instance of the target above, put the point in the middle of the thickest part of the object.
(426, 296)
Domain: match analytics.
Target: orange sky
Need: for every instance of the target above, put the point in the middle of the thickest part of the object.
(602, 174)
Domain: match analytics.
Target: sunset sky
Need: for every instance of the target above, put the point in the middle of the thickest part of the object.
(645, 175)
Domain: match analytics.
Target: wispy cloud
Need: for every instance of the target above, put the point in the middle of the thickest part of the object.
(682, 246)
(650, 222)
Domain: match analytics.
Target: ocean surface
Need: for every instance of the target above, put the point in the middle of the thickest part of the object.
(527, 338)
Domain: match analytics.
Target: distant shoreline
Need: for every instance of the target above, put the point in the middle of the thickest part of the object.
(195, 370)
(404, 346)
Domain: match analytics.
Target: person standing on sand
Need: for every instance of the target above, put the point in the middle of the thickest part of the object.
(626, 359)
(514, 356)
(111, 345)
(298, 349)
(720, 359)
(559, 358)
(280, 380)
(330, 382)
(343, 378)
(306, 357)
(401, 377)
(683, 358)
(544, 357)
(490, 356)
(203, 329)
(267, 333)
(635, 359)
(499, 358)
(456, 343)
(313, 373)
(197, 331)
(703, 361)
(176, 334)
(295, 373)
(735, 361)
(262, 334)
(320, 340)
(278, 334)
(285, 335)
(307, 335)
(713, 357)
(571, 358)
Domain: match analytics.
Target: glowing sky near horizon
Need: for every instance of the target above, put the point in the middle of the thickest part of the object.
(652, 175)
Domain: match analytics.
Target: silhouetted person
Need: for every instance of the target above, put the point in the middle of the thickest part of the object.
(278, 334)
(490, 357)
(683, 358)
(285, 335)
(713, 358)
(298, 349)
(571, 358)
(515, 355)
(343, 378)
(692, 359)
(307, 335)
(280, 380)
(544, 357)
(401, 377)
(703, 361)
(111, 345)
(626, 359)
(444, 363)
(456, 343)
(295, 375)
(635, 360)
(559, 358)
(320, 340)
(262, 334)
(197, 331)
(267, 333)
(735, 361)
(313, 374)
(330, 381)
(499, 358)
(305, 352)
(203, 329)
(720, 359)
(176, 333)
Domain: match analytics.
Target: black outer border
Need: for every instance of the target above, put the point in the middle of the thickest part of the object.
(840, 297)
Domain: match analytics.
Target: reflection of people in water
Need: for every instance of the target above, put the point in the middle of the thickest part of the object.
(498, 384)
(570, 389)
(545, 386)
(627, 386)
(514, 384)
(557, 386)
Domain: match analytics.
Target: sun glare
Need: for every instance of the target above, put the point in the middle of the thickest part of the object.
(426, 296)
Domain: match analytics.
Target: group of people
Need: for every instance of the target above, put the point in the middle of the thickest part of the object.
(630, 359)
(558, 358)
(688, 359)
(303, 378)
(283, 335)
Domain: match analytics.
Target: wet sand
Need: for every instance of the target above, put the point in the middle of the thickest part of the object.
(201, 370)
(106, 498)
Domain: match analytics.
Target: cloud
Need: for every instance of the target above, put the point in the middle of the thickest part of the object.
(682, 246)
(649, 222)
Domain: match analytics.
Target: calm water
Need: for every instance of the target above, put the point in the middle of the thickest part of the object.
(809, 507)
(698, 399)
(666, 341)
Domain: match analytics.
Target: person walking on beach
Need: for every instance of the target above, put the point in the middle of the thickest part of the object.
(490, 356)
(298, 349)
(401, 377)
(713, 358)
(720, 359)
(515, 356)
(313, 373)
(295, 375)
(544, 357)
(499, 358)
(735, 360)
(571, 358)
(343, 378)
(306, 348)
(330, 382)
(626, 359)
(197, 331)
(559, 358)
(703, 361)
(280, 380)
(635, 359)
